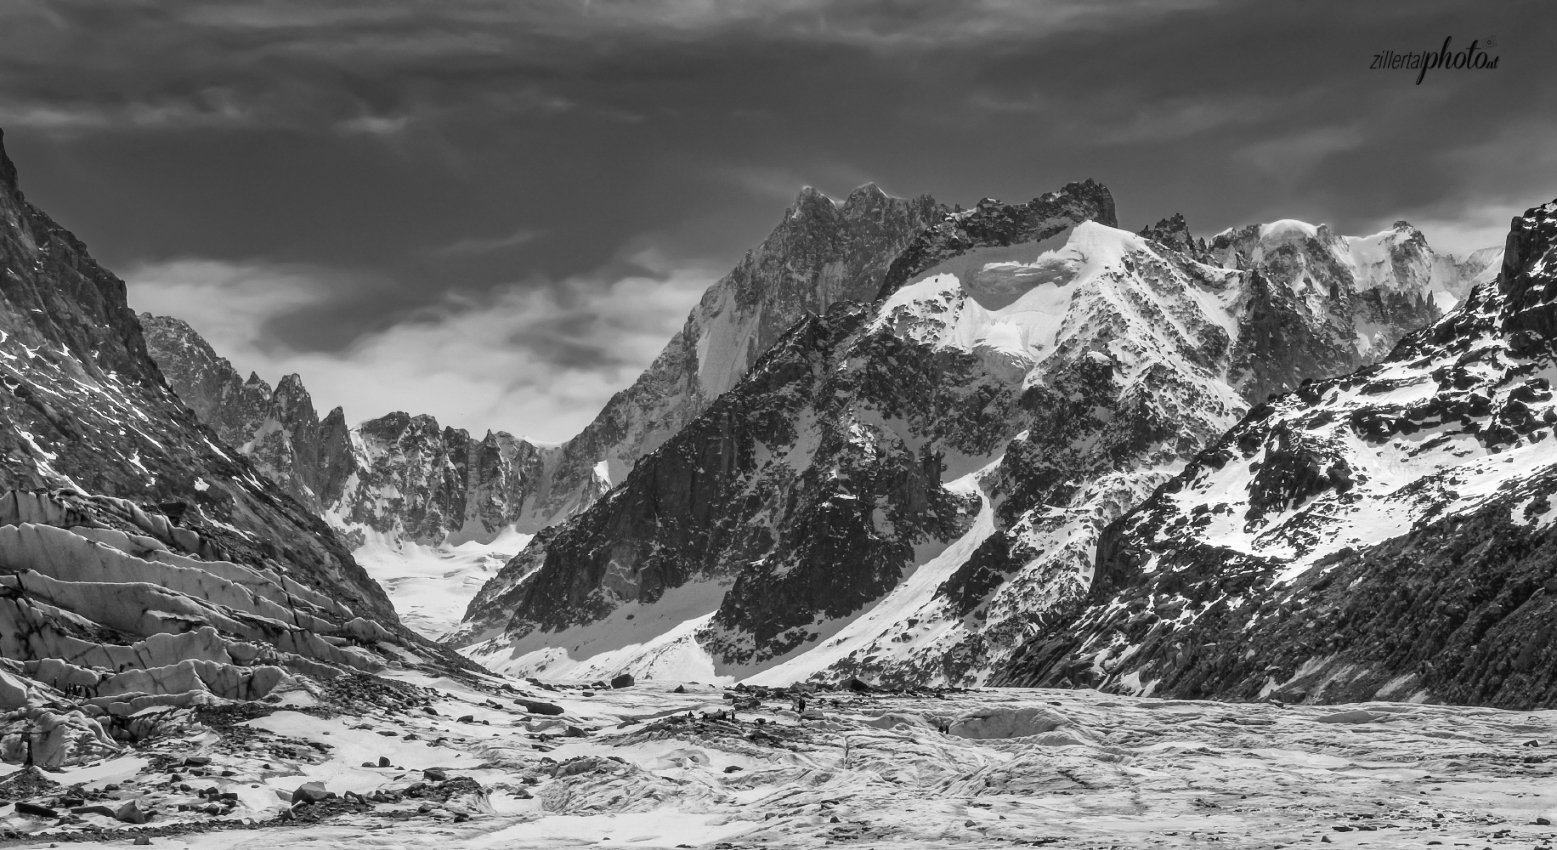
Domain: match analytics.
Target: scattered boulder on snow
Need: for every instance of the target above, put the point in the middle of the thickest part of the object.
(35, 810)
(309, 792)
(130, 812)
(538, 707)
(622, 680)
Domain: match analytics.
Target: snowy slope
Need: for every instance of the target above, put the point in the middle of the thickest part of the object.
(1384, 532)
(431, 585)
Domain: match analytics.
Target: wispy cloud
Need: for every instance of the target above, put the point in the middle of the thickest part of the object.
(478, 245)
(536, 361)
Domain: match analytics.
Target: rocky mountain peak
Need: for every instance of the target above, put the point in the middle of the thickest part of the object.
(1528, 280)
(1173, 230)
(991, 223)
(7, 167)
(810, 201)
(865, 195)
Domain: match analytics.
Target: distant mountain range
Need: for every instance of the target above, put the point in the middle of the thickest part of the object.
(925, 445)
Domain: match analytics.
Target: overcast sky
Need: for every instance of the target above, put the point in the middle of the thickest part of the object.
(498, 212)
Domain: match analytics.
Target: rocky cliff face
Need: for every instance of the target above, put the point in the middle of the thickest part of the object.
(400, 476)
(410, 479)
(146, 568)
(85, 407)
(823, 252)
(907, 489)
(405, 478)
(276, 428)
(1385, 534)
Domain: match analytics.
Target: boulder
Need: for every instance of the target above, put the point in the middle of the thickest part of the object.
(35, 810)
(622, 680)
(538, 707)
(130, 812)
(309, 793)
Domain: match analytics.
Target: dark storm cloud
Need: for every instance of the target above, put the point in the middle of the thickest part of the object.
(424, 157)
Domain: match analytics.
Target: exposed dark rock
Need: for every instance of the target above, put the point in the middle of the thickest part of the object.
(130, 811)
(1274, 580)
(538, 707)
(309, 792)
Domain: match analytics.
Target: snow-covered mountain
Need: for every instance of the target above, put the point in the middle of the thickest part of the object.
(1385, 534)
(417, 499)
(428, 511)
(147, 570)
(909, 488)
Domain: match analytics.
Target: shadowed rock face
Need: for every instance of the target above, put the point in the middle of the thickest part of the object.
(1384, 534)
(412, 479)
(84, 406)
(823, 252)
(277, 429)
